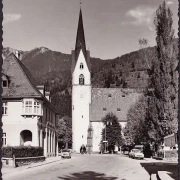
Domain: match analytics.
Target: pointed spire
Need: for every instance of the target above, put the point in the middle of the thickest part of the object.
(80, 38)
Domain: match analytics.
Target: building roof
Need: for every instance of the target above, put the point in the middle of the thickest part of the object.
(80, 41)
(21, 82)
(115, 100)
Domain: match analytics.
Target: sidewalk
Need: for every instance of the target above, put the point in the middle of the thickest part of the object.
(160, 161)
(166, 174)
(8, 170)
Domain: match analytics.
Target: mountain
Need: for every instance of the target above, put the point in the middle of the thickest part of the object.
(47, 65)
(53, 69)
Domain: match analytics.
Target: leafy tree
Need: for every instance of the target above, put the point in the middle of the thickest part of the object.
(136, 130)
(164, 72)
(124, 85)
(113, 130)
(65, 130)
(161, 102)
(108, 79)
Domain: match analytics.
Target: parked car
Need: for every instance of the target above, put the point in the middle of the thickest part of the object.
(126, 150)
(136, 153)
(66, 153)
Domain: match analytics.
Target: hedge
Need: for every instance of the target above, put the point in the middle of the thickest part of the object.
(22, 151)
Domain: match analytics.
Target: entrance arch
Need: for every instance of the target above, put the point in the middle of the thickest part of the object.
(25, 137)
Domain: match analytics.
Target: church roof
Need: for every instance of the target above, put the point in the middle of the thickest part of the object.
(80, 41)
(115, 100)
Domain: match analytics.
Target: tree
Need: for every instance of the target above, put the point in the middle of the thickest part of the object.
(65, 130)
(164, 72)
(136, 130)
(108, 79)
(113, 132)
(161, 112)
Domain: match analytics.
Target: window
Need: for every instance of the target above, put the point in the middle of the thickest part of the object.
(118, 109)
(5, 83)
(4, 108)
(37, 108)
(28, 107)
(104, 109)
(81, 79)
(123, 95)
(109, 95)
(4, 139)
(81, 66)
(32, 107)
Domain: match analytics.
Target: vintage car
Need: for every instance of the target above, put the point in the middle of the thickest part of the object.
(66, 153)
(125, 150)
(136, 153)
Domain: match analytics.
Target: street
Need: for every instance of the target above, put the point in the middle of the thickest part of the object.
(87, 167)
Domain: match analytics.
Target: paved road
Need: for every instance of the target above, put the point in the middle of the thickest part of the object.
(86, 167)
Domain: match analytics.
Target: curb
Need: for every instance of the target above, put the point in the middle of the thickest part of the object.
(162, 162)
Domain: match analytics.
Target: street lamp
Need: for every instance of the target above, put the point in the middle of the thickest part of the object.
(107, 123)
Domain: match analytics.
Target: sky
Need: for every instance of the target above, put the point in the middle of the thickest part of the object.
(112, 27)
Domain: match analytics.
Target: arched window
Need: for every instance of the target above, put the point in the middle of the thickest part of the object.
(81, 66)
(81, 79)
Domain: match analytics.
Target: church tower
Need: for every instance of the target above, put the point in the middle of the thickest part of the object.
(81, 89)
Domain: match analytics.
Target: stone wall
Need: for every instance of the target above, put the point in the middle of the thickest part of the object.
(17, 162)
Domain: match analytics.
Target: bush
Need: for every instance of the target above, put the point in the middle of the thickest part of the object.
(160, 154)
(168, 154)
(171, 154)
(22, 151)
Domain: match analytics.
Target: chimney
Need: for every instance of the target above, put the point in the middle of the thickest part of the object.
(41, 89)
(47, 95)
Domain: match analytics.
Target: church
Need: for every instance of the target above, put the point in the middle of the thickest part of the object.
(90, 105)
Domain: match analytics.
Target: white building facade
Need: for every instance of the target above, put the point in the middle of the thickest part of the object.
(28, 116)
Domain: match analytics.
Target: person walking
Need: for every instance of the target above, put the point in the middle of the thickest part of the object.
(84, 150)
(81, 150)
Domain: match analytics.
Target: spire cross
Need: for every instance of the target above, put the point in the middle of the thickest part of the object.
(80, 2)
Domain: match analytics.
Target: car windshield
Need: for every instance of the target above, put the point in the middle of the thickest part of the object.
(138, 147)
(136, 150)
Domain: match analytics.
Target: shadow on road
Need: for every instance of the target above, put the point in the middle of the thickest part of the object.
(87, 175)
(153, 168)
